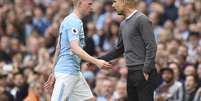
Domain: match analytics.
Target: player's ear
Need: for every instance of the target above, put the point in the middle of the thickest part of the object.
(79, 2)
(124, 1)
(76, 3)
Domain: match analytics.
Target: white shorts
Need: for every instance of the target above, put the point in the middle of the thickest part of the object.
(70, 88)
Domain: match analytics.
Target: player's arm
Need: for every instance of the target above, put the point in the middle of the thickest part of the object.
(51, 79)
(56, 54)
(116, 52)
(76, 49)
(73, 34)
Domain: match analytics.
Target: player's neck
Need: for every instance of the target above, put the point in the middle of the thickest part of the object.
(78, 14)
(129, 11)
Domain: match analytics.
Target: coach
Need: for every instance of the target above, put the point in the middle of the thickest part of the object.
(137, 42)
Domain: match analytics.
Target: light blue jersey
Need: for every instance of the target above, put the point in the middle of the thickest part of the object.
(70, 29)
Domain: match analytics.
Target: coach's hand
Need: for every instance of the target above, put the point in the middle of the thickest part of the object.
(102, 64)
(146, 76)
(50, 82)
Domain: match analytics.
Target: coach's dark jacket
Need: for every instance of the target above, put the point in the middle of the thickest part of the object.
(137, 42)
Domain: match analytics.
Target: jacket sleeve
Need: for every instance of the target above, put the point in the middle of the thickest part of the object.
(117, 51)
(146, 30)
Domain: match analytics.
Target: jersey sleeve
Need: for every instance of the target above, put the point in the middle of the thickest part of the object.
(73, 30)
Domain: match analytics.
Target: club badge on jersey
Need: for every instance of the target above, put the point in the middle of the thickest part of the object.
(75, 31)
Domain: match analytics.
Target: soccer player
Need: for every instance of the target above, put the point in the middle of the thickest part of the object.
(70, 84)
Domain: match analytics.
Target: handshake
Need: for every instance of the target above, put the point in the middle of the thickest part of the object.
(102, 64)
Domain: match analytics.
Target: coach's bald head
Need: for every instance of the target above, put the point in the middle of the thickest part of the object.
(122, 6)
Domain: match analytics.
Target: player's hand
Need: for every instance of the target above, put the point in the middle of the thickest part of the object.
(146, 76)
(102, 64)
(160, 98)
(50, 82)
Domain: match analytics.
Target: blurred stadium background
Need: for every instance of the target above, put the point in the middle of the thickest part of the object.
(29, 30)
